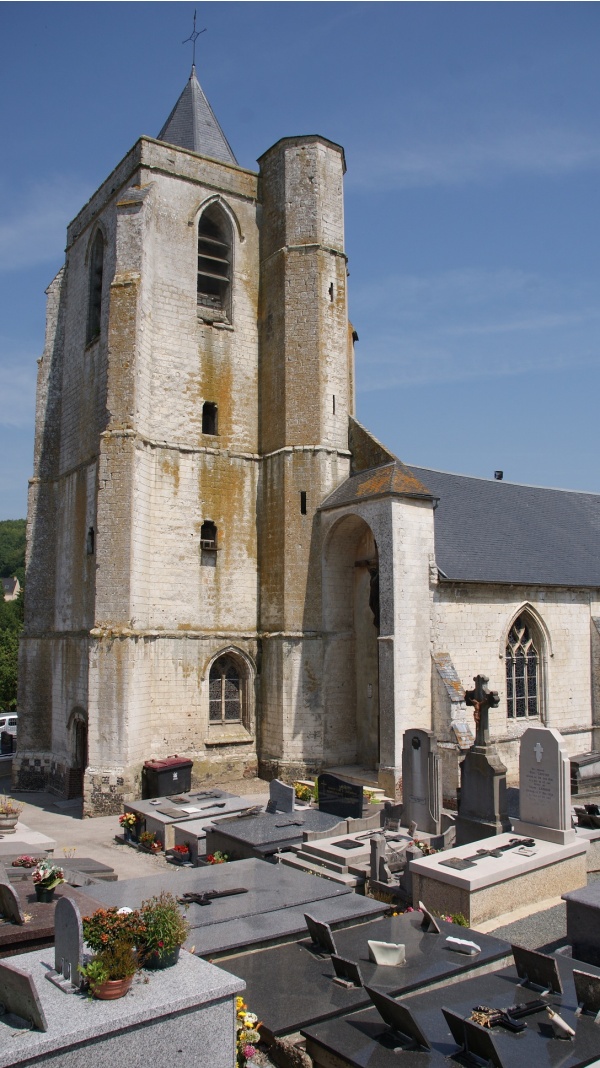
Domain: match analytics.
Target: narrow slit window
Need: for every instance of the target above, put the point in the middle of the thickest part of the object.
(302, 502)
(209, 418)
(334, 403)
(208, 536)
(214, 264)
(95, 288)
(91, 542)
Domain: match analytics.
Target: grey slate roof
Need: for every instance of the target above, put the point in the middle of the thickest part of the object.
(393, 478)
(193, 125)
(488, 531)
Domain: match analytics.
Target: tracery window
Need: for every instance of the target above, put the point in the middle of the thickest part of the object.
(225, 691)
(522, 660)
(214, 263)
(95, 288)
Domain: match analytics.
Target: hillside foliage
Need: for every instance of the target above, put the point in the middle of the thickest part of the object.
(12, 562)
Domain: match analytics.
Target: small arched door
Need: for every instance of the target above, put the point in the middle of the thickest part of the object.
(79, 753)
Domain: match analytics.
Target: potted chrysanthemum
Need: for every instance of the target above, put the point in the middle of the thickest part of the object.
(165, 931)
(46, 877)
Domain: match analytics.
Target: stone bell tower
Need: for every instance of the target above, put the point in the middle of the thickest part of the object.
(306, 397)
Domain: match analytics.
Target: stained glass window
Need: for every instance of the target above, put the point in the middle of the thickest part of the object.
(224, 692)
(522, 672)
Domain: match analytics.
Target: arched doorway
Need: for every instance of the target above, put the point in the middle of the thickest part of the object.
(351, 621)
(78, 739)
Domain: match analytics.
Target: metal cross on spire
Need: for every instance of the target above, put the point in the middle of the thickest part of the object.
(194, 35)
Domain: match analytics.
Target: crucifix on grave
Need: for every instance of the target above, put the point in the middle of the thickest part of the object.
(480, 699)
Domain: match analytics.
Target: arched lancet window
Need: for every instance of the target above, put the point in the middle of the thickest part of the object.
(226, 691)
(95, 288)
(523, 670)
(214, 264)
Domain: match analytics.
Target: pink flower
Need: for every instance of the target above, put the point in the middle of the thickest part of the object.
(249, 1052)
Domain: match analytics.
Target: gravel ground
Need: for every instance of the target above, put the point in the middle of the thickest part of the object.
(546, 930)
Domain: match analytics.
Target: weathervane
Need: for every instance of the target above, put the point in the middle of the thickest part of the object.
(193, 38)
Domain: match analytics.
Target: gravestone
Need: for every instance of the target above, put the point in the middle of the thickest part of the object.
(421, 781)
(482, 810)
(340, 798)
(281, 797)
(68, 946)
(10, 907)
(544, 787)
(20, 998)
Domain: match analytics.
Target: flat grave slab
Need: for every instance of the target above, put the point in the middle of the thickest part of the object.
(583, 922)
(85, 865)
(485, 888)
(218, 940)
(266, 833)
(193, 831)
(363, 1040)
(184, 1008)
(24, 840)
(38, 929)
(162, 813)
(292, 985)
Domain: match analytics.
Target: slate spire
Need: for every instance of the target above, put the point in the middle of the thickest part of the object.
(192, 124)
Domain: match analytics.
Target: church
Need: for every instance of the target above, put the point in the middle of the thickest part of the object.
(222, 562)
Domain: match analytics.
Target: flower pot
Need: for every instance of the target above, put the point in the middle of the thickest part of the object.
(112, 989)
(43, 893)
(180, 858)
(156, 847)
(8, 823)
(162, 958)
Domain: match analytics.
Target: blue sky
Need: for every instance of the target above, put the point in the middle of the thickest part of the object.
(472, 140)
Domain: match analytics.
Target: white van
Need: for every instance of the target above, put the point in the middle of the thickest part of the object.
(8, 722)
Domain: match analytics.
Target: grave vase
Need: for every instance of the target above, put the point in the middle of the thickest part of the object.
(8, 823)
(112, 989)
(43, 893)
(162, 958)
(130, 834)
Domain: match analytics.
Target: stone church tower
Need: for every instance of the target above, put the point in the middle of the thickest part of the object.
(192, 415)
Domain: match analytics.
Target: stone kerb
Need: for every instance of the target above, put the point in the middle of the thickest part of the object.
(544, 787)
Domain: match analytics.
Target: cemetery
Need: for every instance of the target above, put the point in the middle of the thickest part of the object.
(348, 922)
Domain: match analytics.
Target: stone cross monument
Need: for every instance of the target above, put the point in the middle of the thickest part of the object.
(482, 809)
(481, 700)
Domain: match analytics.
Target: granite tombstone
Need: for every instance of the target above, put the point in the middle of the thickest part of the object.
(340, 798)
(68, 946)
(281, 797)
(544, 787)
(421, 781)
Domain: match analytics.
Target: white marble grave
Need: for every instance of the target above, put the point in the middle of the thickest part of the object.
(544, 787)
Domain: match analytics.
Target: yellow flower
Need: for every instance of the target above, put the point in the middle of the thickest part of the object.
(240, 1003)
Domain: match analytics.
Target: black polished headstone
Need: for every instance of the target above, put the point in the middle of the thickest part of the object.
(340, 798)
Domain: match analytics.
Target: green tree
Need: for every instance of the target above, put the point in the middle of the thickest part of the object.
(11, 624)
(12, 548)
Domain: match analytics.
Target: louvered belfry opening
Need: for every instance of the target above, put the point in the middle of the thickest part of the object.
(214, 263)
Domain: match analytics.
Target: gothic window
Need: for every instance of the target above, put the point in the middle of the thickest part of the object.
(522, 671)
(95, 288)
(209, 418)
(225, 691)
(214, 264)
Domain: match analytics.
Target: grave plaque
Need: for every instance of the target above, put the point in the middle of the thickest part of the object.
(281, 797)
(537, 969)
(320, 934)
(340, 798)
(421, 781)
(398, 1017)
(346, 970)
(544, 786)
(473, 1039)
(587, 991)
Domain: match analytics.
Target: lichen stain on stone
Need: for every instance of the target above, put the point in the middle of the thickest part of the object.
(169, 465)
